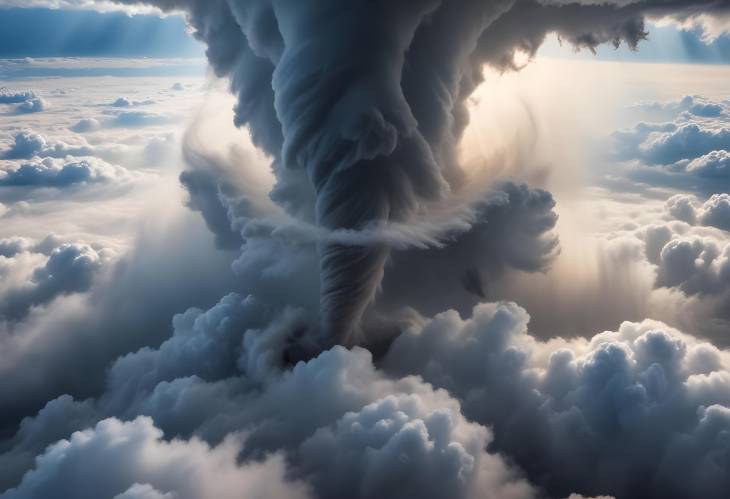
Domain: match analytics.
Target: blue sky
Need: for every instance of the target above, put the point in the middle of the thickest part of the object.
(664, 44)
(61, 33)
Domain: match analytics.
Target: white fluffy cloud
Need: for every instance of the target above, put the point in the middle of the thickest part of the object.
(9, 96)
(60, 173)
(715, 211)
(691, 137)
(131, 461)
(22, 101)
(38, 272)
(635, 413)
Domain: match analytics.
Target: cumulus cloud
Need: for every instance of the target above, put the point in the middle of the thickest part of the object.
(68, 347)
(131, 460)
(714, 212)
(86, 125)
(685, 260)
(124, 102)
(715, 164)
(681, 144)
(616, 414)
(692, 104)
(60, 173)
(687, 141)
(8, 96)
(35, 105)
(68, 268)
(151, 150)
(557, 409)
(29, 143)
(694, 141)
(357, 420)
(23, 101)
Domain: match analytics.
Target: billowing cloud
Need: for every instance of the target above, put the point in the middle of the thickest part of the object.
(59, 173)
(562, 406)
(642, 408)
(132, 461)
(694, 138)
(714, 212)
(358, 420)
(68, 268)
(8, 96)
(28, 144)
(397, 130)
(86, 125)
(23, 101)
(715, 164)
(35, 105)
(683, 144)
(124, 102)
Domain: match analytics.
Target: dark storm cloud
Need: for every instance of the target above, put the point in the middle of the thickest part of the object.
(206, 196)
(514, 230)
(386, 149)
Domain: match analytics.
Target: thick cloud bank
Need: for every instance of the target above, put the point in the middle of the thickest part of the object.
(640, 412)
